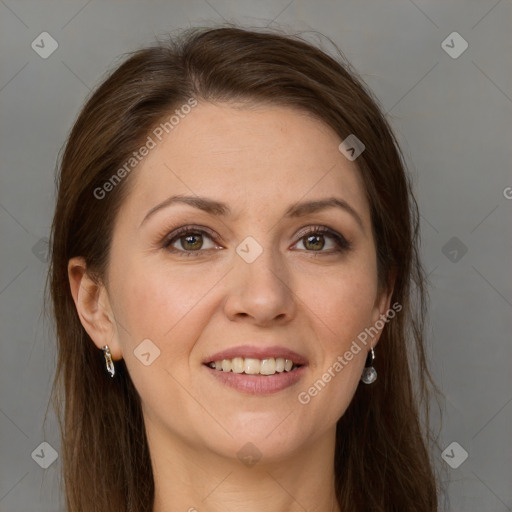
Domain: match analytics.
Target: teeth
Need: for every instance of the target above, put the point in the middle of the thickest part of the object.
(252, 366)
(237, 365)
(226, 365)
(268, 366)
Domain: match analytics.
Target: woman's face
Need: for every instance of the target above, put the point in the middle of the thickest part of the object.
(243, 281)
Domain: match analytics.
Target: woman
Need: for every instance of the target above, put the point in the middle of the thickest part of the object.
(234, 235)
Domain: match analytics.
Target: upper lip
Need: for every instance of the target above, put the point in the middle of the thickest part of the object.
(257, 352)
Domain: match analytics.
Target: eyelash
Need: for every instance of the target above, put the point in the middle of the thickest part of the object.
(342, 244)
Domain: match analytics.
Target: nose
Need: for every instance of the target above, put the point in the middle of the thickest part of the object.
(261, 291)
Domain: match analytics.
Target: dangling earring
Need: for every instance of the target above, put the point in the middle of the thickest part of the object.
(108, 360)
(369, 373)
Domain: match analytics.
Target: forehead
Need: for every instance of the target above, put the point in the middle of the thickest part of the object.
(256, 156)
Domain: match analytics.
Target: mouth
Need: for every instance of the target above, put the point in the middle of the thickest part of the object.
(253, 366)
(257, 370)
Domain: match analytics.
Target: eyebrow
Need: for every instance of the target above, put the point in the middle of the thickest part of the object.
(223, 210)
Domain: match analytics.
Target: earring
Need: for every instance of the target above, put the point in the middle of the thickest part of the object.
(108, 360)
(369, 373)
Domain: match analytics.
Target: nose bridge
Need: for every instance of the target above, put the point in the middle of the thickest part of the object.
(260, 261)
(261, 287)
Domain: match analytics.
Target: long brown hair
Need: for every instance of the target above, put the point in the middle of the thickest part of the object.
(383, 440)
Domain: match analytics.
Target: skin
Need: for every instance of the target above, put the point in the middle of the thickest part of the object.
(259, 160)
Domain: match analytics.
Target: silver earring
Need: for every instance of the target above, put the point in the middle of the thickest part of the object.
(369, 373)
(108, 360)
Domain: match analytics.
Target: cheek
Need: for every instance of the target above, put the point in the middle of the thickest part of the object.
(342, 301)
(344, 311)
(159, 304)
(164, 304)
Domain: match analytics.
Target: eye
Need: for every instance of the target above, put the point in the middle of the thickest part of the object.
(314, 240)
(188, 240)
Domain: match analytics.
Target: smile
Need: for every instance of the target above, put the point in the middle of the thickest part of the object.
(253, 366)
(256, 369)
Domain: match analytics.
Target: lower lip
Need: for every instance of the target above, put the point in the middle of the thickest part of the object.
(258, 384)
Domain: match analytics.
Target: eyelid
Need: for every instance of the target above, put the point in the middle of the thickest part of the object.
(183, 230)
(341, 242)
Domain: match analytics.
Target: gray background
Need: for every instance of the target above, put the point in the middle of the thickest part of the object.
(452, 116)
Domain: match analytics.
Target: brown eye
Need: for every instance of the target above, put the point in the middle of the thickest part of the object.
(186, 241)
(193, 242)
(315, 241)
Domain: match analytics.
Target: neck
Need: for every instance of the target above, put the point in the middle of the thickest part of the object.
(189, 478)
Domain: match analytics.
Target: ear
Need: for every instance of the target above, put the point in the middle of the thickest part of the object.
(382, 304)
(93, 307)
